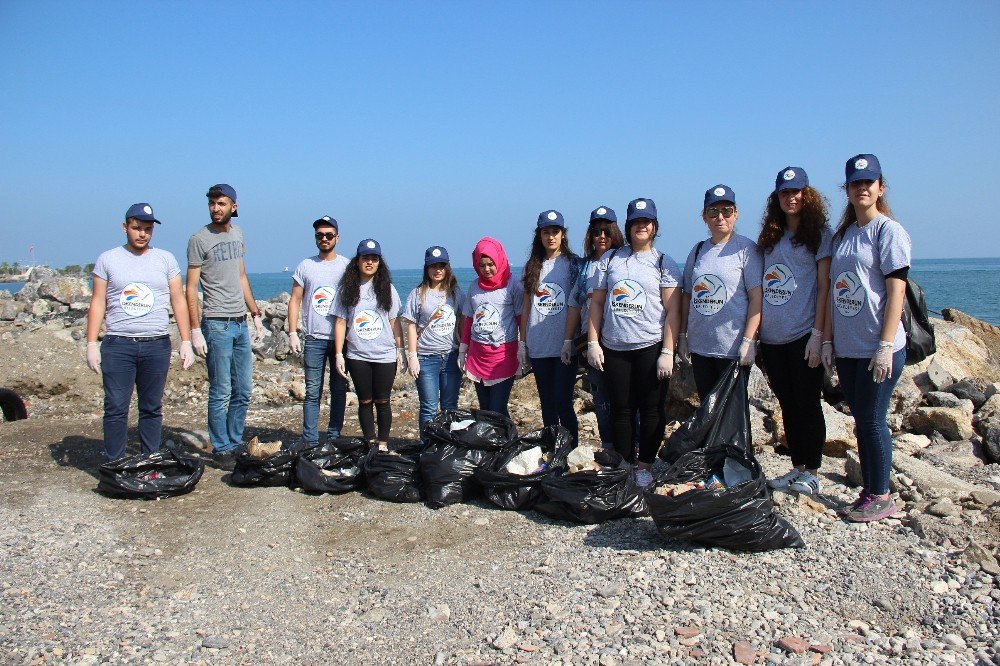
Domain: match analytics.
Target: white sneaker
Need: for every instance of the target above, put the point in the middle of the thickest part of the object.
(643, 478)
(806, 484)
(782, 482)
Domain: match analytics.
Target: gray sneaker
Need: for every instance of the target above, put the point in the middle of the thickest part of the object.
(876, 508)
(807, 483)
(785, 480)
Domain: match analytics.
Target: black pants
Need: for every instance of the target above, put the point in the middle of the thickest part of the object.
(373, 382)
(798, 389)
(631, 383)
(707, 371)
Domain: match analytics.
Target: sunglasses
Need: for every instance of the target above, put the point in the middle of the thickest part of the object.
(328, 235)
(600, 231)
(713, 211)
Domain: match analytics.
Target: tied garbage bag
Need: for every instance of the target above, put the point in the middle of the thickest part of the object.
(334, 467)
(460, 442)
(593, 495)
(164, 473)
(732, 510)
(267, 468)
(511, 490)
(394, 475)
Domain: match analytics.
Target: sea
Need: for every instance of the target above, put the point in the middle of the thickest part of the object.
(969, 285)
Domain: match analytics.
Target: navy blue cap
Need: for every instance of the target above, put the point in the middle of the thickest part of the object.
(719, 193)
(326, 221)
(791, 178)
(435, 254)
(228, 191)
(603, 213)
(641, 208)
(551, 218)
(141, 211)
(369, 246)
(862, 167)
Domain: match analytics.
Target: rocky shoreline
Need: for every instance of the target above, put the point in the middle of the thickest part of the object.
(311, 579)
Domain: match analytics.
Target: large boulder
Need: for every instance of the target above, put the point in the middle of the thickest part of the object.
(989, 408)
(9, 309)
(973, 389)
(909, 443)
(40, 273)
(840, 435)
(961, 354)
(952, 422)
(64, 289)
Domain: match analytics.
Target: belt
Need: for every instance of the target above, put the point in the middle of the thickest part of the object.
(236, 319)
(131, 338)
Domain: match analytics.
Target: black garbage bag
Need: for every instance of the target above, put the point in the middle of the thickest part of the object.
(274, 470)
(165, 473)
(449, 463)
(739, 517)
(334, 467)
(593, 496)
(517, 491)
(394, 475)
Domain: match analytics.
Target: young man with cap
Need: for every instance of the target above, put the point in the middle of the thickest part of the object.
(215, 261)
(318, 277)
(132, 285)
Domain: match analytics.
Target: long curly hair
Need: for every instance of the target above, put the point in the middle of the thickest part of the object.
(449, 282)
(850, 216)
(350, 285)
(617, 240)
(533, 267)
(813, 220)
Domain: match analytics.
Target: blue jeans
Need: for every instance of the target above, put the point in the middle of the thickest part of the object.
(494, 398)
(128, 362)
(554, 381)
(439, 381)
(230, 380)
(869, 403)
(316, 356)
(602, 406)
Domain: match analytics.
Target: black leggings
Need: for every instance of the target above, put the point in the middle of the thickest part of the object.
(630, 379)
(798, 389)
(707, 371)
(373, 382)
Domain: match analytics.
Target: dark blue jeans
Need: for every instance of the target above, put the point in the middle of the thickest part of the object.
(869, 403)
(230, 380)
(317, 355)
(438, 383)
(554, 381)
(127, 363)
(602, 406)
(494, 398)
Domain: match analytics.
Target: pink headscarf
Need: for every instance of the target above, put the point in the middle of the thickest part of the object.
(491, 248)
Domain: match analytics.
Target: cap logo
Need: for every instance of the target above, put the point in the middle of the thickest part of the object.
(719, 191)
(552, 215)
(640, 205)
(861, 163)
(370, 245)
(147, 210)
(602, 211)
(326, 218)
(435, 252)
(788, 175)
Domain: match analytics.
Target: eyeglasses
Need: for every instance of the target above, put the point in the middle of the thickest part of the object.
(712, 212)
(329, 235)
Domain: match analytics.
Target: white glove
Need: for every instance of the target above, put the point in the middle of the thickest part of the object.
(748, 351)
(881, 364)
(94, 356)
(827, 354)
(400, 361)
(814, 348)
(187, 354)
(413, 364)
(665, 364)
(595, 355)
(198, 343)
(340, 365)
(566, 355)
(522, 356)
(258, 325)
(463, 352)
(294, 343)
(683, 352)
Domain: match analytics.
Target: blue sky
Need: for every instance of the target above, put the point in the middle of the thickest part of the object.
(440, 122)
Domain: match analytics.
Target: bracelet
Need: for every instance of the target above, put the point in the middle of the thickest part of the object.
(666, 352)
(827, 342)
(883, 343)
(750, 340)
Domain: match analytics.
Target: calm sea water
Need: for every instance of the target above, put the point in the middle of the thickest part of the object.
(970, 285)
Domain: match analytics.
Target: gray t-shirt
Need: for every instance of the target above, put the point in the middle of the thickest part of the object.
(369, 335)
(719, 281)
(494, 312)
(790, 288)
(633, 309)
(319, 281)
(584, 287)
(547, 318)
(861, 260)
(219, 255)
(138, 290)
(437, 316)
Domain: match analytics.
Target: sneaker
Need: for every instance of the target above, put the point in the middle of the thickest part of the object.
(226, 461)
(785, 480)
(643, 478)
(876, 508)
(806, 484)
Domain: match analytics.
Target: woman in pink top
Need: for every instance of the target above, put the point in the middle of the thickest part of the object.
(492, 311)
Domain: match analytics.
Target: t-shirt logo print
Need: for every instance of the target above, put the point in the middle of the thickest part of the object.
(628, 299)
(322, 299)
(368, 325)
(549, 299)
(442, 322)
(779, 284)
(485, 320)
(849, 294)
(709, 294)
(136, 299)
